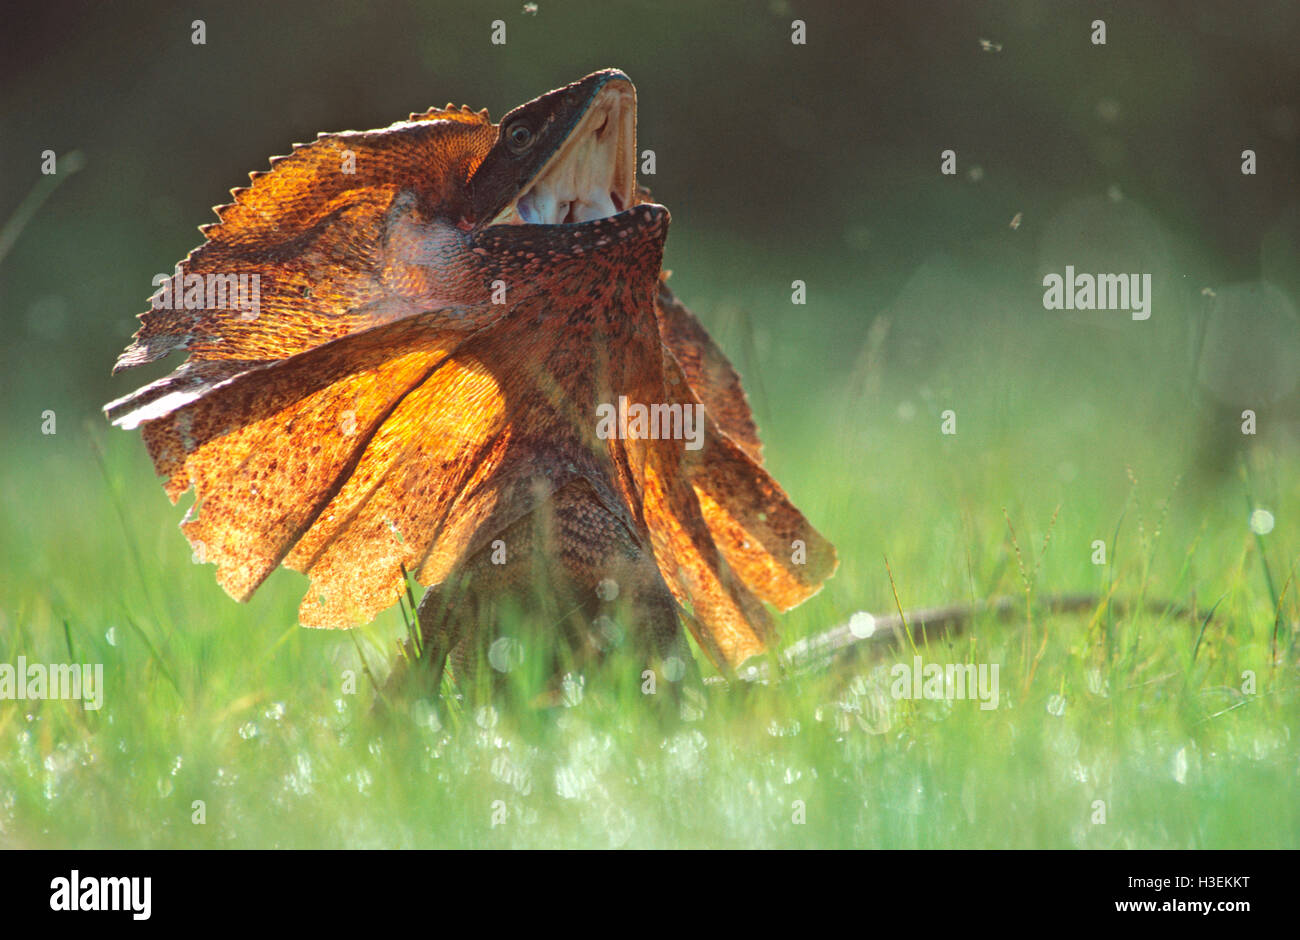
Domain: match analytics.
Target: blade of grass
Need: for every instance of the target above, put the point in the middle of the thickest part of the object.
(153, 652)
(41, 190)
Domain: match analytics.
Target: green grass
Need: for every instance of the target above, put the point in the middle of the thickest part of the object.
(233, 705)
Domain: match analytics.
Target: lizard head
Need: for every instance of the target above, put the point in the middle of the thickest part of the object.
(565, 158)
(549, 203)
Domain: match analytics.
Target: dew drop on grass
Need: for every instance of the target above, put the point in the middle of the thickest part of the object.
(299, 780)
(683, 750)
(608, 633)
(1261, 522)
(505, 654)
(58, 761)
(111, 636)
(571, 689)
(1056, 705)
(876, 712)
(778, 730)
(508, 772)
(862, 625)
(572, 782)
(692, 706)
(425, 715)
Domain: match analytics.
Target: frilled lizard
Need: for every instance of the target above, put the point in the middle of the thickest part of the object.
(400, 343)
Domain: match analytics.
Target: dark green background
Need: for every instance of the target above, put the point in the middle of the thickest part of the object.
(817, 162)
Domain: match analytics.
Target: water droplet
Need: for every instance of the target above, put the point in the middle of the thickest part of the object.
(862, 625)
(608, 632)
(425, 715)
(571, 689)
(505, 654)
(693, 704)
(299, 780)
(1261, 522)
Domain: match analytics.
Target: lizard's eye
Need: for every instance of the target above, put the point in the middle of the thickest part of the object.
(519, 137)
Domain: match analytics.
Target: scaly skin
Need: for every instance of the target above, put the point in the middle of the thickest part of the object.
(579, 572)
(422, 380)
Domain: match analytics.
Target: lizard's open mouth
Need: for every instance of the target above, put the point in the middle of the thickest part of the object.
(593, 173)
